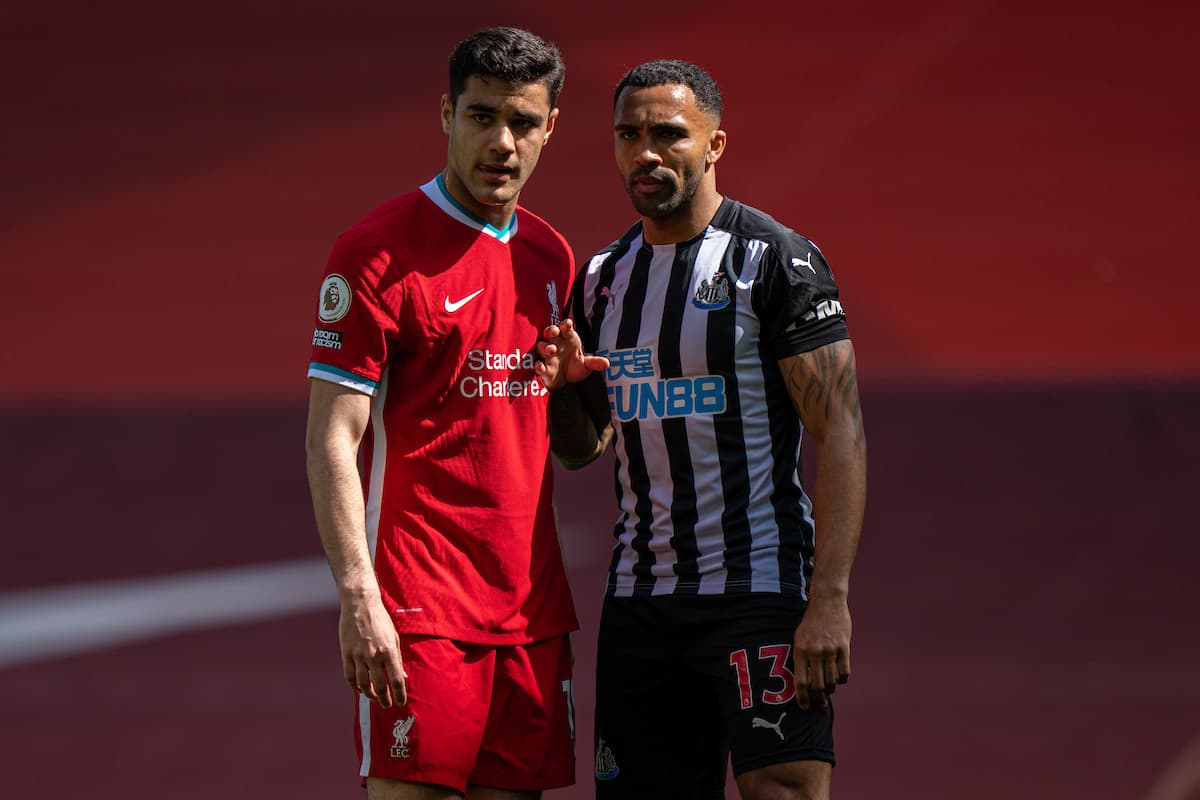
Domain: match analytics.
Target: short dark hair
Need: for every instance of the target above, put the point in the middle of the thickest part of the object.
(666, 71)
(513, 55)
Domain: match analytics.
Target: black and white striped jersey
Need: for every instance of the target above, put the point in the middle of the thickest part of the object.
(708, 439)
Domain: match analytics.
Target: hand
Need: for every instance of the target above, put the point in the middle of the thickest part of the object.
(821, 652)
(561, 359)
(371, 652)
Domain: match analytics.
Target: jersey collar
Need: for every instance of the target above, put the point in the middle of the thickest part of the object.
(436, 191)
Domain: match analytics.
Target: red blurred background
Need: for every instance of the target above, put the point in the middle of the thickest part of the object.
(1006, 191)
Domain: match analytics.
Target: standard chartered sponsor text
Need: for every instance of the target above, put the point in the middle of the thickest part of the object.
(476, 386)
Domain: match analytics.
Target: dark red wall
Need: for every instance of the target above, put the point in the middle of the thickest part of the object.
(1004, 188)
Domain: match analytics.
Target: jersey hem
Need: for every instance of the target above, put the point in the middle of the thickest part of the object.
(470, 636)
(341, 377)
(737, 589)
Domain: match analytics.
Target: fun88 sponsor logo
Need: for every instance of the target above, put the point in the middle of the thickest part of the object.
(635, 393)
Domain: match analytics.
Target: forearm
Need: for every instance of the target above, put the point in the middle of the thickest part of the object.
(824, 386)
(337, 420)
(839, 499)
(341, 520)
(576, 438)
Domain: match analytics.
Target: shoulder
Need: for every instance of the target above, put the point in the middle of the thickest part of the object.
(748, 222)
(385, 231)
(619, 246)
(539, 234)
(389, 218)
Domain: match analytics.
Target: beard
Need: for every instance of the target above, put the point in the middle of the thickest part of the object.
(672, 195)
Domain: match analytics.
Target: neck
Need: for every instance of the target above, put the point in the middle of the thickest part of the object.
(686, 223)
(495, 215)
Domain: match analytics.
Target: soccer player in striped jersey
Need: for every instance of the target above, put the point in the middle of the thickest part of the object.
(726, 624)
(455, 608)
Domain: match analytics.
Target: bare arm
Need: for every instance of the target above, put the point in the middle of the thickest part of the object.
(580, 421)
(337, 419)
(824, 387)
(580, 427)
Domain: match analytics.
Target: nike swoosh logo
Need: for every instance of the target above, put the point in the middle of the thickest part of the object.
(452, 307)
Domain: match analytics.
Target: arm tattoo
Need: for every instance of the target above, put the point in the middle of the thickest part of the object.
(824, 382)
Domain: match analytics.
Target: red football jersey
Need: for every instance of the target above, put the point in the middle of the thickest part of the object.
(435, 313)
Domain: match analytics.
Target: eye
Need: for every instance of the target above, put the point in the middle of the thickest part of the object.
(627, 136)
(521, 126)
(482, 119)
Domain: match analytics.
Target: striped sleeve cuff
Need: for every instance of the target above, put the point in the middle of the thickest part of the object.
(342, 378)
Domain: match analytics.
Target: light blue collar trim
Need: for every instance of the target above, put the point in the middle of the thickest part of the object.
(436, 191)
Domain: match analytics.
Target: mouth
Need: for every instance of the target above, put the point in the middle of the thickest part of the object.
(497, 173)
(648, 183)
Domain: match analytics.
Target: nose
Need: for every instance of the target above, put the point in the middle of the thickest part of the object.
(646, 154)
(503, 141)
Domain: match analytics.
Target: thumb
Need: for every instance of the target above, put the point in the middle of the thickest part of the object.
(595, 363)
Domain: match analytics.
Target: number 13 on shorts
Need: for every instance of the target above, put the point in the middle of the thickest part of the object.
(781, 686)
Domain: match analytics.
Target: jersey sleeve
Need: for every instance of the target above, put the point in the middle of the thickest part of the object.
(578, 311)
(798, 302)
(356, 318)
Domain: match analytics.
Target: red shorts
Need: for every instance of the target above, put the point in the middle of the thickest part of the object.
(498, 716)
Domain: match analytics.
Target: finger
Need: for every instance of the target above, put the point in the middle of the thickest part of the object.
(362, 680)
(802, 682)
(816, 682)
(551, 332)
(816, 674)
(399, 681)
(349, 672)
(595, 363)
(566, 326)
(381, 684)
(831, 673)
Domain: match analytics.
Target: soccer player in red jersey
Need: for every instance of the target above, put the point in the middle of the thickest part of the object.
(455, 609)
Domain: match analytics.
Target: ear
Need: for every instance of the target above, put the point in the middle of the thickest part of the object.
(716, 146)
(447, 114)
(550, 124)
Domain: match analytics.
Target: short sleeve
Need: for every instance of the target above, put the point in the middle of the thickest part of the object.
(797, 299)
(357, 310)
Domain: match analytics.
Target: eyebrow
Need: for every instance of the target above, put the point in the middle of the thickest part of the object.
(657, 128)
(484, 108)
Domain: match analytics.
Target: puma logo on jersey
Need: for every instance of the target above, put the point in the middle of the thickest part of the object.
(759, 722)
(798, 263)
(451, 307)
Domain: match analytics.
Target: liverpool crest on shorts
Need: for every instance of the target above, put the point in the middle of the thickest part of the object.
(400, 731)
(712, 294)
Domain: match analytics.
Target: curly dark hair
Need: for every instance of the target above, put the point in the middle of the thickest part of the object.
(513, 55)
(665, 71)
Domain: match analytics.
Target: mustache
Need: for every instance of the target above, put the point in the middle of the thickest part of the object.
(658, 173)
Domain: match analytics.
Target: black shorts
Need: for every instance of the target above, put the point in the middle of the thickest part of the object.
(684, 683)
